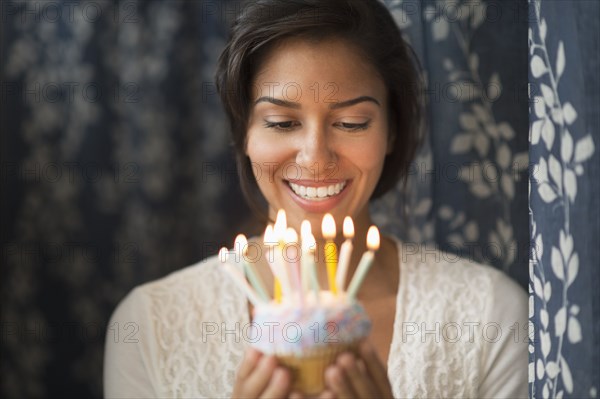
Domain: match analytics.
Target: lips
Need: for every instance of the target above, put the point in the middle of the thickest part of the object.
(315, 197)
(317, 193)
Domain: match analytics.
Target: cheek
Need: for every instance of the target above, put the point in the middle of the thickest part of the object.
(265, 155)
(369, 157)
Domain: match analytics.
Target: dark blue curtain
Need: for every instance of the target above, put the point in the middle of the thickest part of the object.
(117, 169)
(564, 62)
(468, 187)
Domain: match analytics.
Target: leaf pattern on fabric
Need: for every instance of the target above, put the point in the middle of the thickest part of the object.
(494, 164)
(157, 137)
(562, 151)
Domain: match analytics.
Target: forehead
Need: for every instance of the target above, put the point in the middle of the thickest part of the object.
(333, 66)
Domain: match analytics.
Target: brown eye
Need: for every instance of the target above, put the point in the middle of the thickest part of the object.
(281, 126)
(353, 127)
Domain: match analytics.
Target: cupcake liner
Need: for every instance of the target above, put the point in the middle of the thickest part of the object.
(308, 369)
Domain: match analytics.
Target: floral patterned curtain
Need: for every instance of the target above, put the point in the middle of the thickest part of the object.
(116, 171)
(116, 168)
(564, 214)
(468, 187)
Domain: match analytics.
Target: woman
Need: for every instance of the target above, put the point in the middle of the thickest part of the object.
(322, 97)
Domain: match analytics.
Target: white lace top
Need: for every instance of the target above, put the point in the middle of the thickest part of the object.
(460, 331)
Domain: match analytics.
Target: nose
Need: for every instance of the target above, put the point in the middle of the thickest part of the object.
(315, 153)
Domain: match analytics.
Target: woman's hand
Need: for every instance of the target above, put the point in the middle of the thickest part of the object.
(357, 377)
(260, 376)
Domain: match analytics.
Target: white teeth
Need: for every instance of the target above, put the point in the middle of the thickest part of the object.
(317, 193)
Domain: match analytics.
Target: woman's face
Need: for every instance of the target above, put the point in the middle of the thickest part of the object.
(318, 131)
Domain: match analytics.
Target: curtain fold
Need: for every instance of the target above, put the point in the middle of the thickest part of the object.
(468, 187)
(563, 207)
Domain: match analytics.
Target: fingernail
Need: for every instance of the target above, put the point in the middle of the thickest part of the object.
(345, 358)
(251, 352)
(331, 373)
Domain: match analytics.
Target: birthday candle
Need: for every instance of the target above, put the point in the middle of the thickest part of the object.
(328, 229)
(311, 244)
(365, 262)
(280, 263)
(269, 240)
(305, 260)
(241, 245)
(345, 254)
(238, 278)
(291, 241)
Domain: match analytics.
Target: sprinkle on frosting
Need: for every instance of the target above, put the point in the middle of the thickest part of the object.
(285, 328)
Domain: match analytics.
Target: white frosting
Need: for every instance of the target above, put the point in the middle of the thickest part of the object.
(294, 328)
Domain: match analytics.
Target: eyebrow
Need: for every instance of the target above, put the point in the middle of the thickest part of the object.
(354, 101)
(336, 105)
(276, 101)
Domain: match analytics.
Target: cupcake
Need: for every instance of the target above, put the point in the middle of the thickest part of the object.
(307, 339)
(304, 326)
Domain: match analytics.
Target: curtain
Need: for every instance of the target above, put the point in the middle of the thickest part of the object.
(117, 169)
(468, 186)
(564, 213)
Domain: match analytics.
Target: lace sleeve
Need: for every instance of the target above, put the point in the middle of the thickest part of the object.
(126, 369)
(504, 358)
(178, 337)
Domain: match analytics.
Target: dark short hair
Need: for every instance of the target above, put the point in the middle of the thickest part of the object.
(367, 25)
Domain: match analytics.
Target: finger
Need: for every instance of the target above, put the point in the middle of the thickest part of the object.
(360, 381)
(327, 394)
(295, 395)
(259, 378)
(279, 385)
(251, 357)
(375, 368)
(334, 376)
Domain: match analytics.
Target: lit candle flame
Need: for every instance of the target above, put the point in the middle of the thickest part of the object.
(223, 252)
(373, 238)
(290, 236)
(328, 227)
(241, 243)
(348, 228)
(280, 223)
(308, 240)
(280, 226)
(305, 229)
(269, 236)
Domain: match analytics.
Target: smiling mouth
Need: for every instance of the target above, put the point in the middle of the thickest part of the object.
(317, 193)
